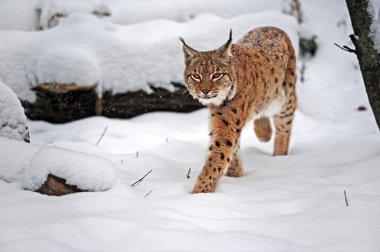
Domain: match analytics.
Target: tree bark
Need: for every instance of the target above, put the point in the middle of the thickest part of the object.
(56, 186)
(59, 105)
(368, 56)
(131, 104)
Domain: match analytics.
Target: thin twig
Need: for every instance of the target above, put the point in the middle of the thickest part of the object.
(303, 68)
(146, 195)
(101, 137)
(138, 181)
(346, 48)
(345, 197)
(188, 173)
(137, 154)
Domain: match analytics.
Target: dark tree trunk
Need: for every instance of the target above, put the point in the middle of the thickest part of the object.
(368, 56)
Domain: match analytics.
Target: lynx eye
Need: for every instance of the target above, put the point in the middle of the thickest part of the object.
(196, 77)
(216, 76)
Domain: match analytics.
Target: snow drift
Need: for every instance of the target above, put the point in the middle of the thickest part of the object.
(32, 164)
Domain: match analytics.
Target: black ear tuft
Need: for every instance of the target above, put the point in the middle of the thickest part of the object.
(226, 48)
(188, 51)
(182, 40)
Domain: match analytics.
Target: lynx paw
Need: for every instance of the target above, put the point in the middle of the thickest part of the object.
(263, 129)
(234, 172)
(204, 185)
(235, 168)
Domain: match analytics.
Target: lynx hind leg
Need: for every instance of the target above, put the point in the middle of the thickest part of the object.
(235, 168)
(283, 132)
(284, 120)
(263, 129)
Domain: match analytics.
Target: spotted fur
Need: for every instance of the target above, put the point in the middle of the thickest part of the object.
(252, 79)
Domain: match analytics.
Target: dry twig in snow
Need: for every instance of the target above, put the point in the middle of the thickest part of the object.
(101, 137)
(138, 181)
(146, 195)
(345, 197)
(188, 173)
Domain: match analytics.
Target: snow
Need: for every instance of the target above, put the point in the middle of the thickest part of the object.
(86, 50)
(34, 163)
(13, 121)
(18, 15)
(50, 8)
(85, 171)
(32, 14)
(289, 203)
(13, 160)
(374, 11)
(183, 11)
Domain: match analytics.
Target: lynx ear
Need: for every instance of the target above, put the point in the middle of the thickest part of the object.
(188, 51)
(226, 48)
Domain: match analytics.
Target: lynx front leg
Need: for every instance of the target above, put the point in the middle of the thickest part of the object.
(235, 168)
(221, 150)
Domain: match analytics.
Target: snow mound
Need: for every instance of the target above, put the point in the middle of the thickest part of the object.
(87, 50)
(87, 172)
(33, 163)
(47, 13)
(12, 118)
(14, 156)
(52, 10)
(139, 11)
(18, 15)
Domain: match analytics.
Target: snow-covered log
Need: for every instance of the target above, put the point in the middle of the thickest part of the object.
(114, 70)
(64, 103)
(12, 118)
(54, 171)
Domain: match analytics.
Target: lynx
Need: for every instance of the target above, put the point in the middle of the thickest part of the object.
(252, 79)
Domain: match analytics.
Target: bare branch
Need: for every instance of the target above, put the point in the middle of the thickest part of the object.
(101, 137)
(298, 10)
(303, 68)
(188, 173)
(346, 48)
(141, 179)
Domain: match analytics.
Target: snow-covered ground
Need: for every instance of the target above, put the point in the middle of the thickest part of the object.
(292, 203)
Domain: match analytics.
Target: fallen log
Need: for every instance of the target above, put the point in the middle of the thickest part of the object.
(68, 102)
(56, 186)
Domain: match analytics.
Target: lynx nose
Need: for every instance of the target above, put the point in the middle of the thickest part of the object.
(205, 91)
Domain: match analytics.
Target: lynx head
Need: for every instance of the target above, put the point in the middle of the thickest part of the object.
(210, 76)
